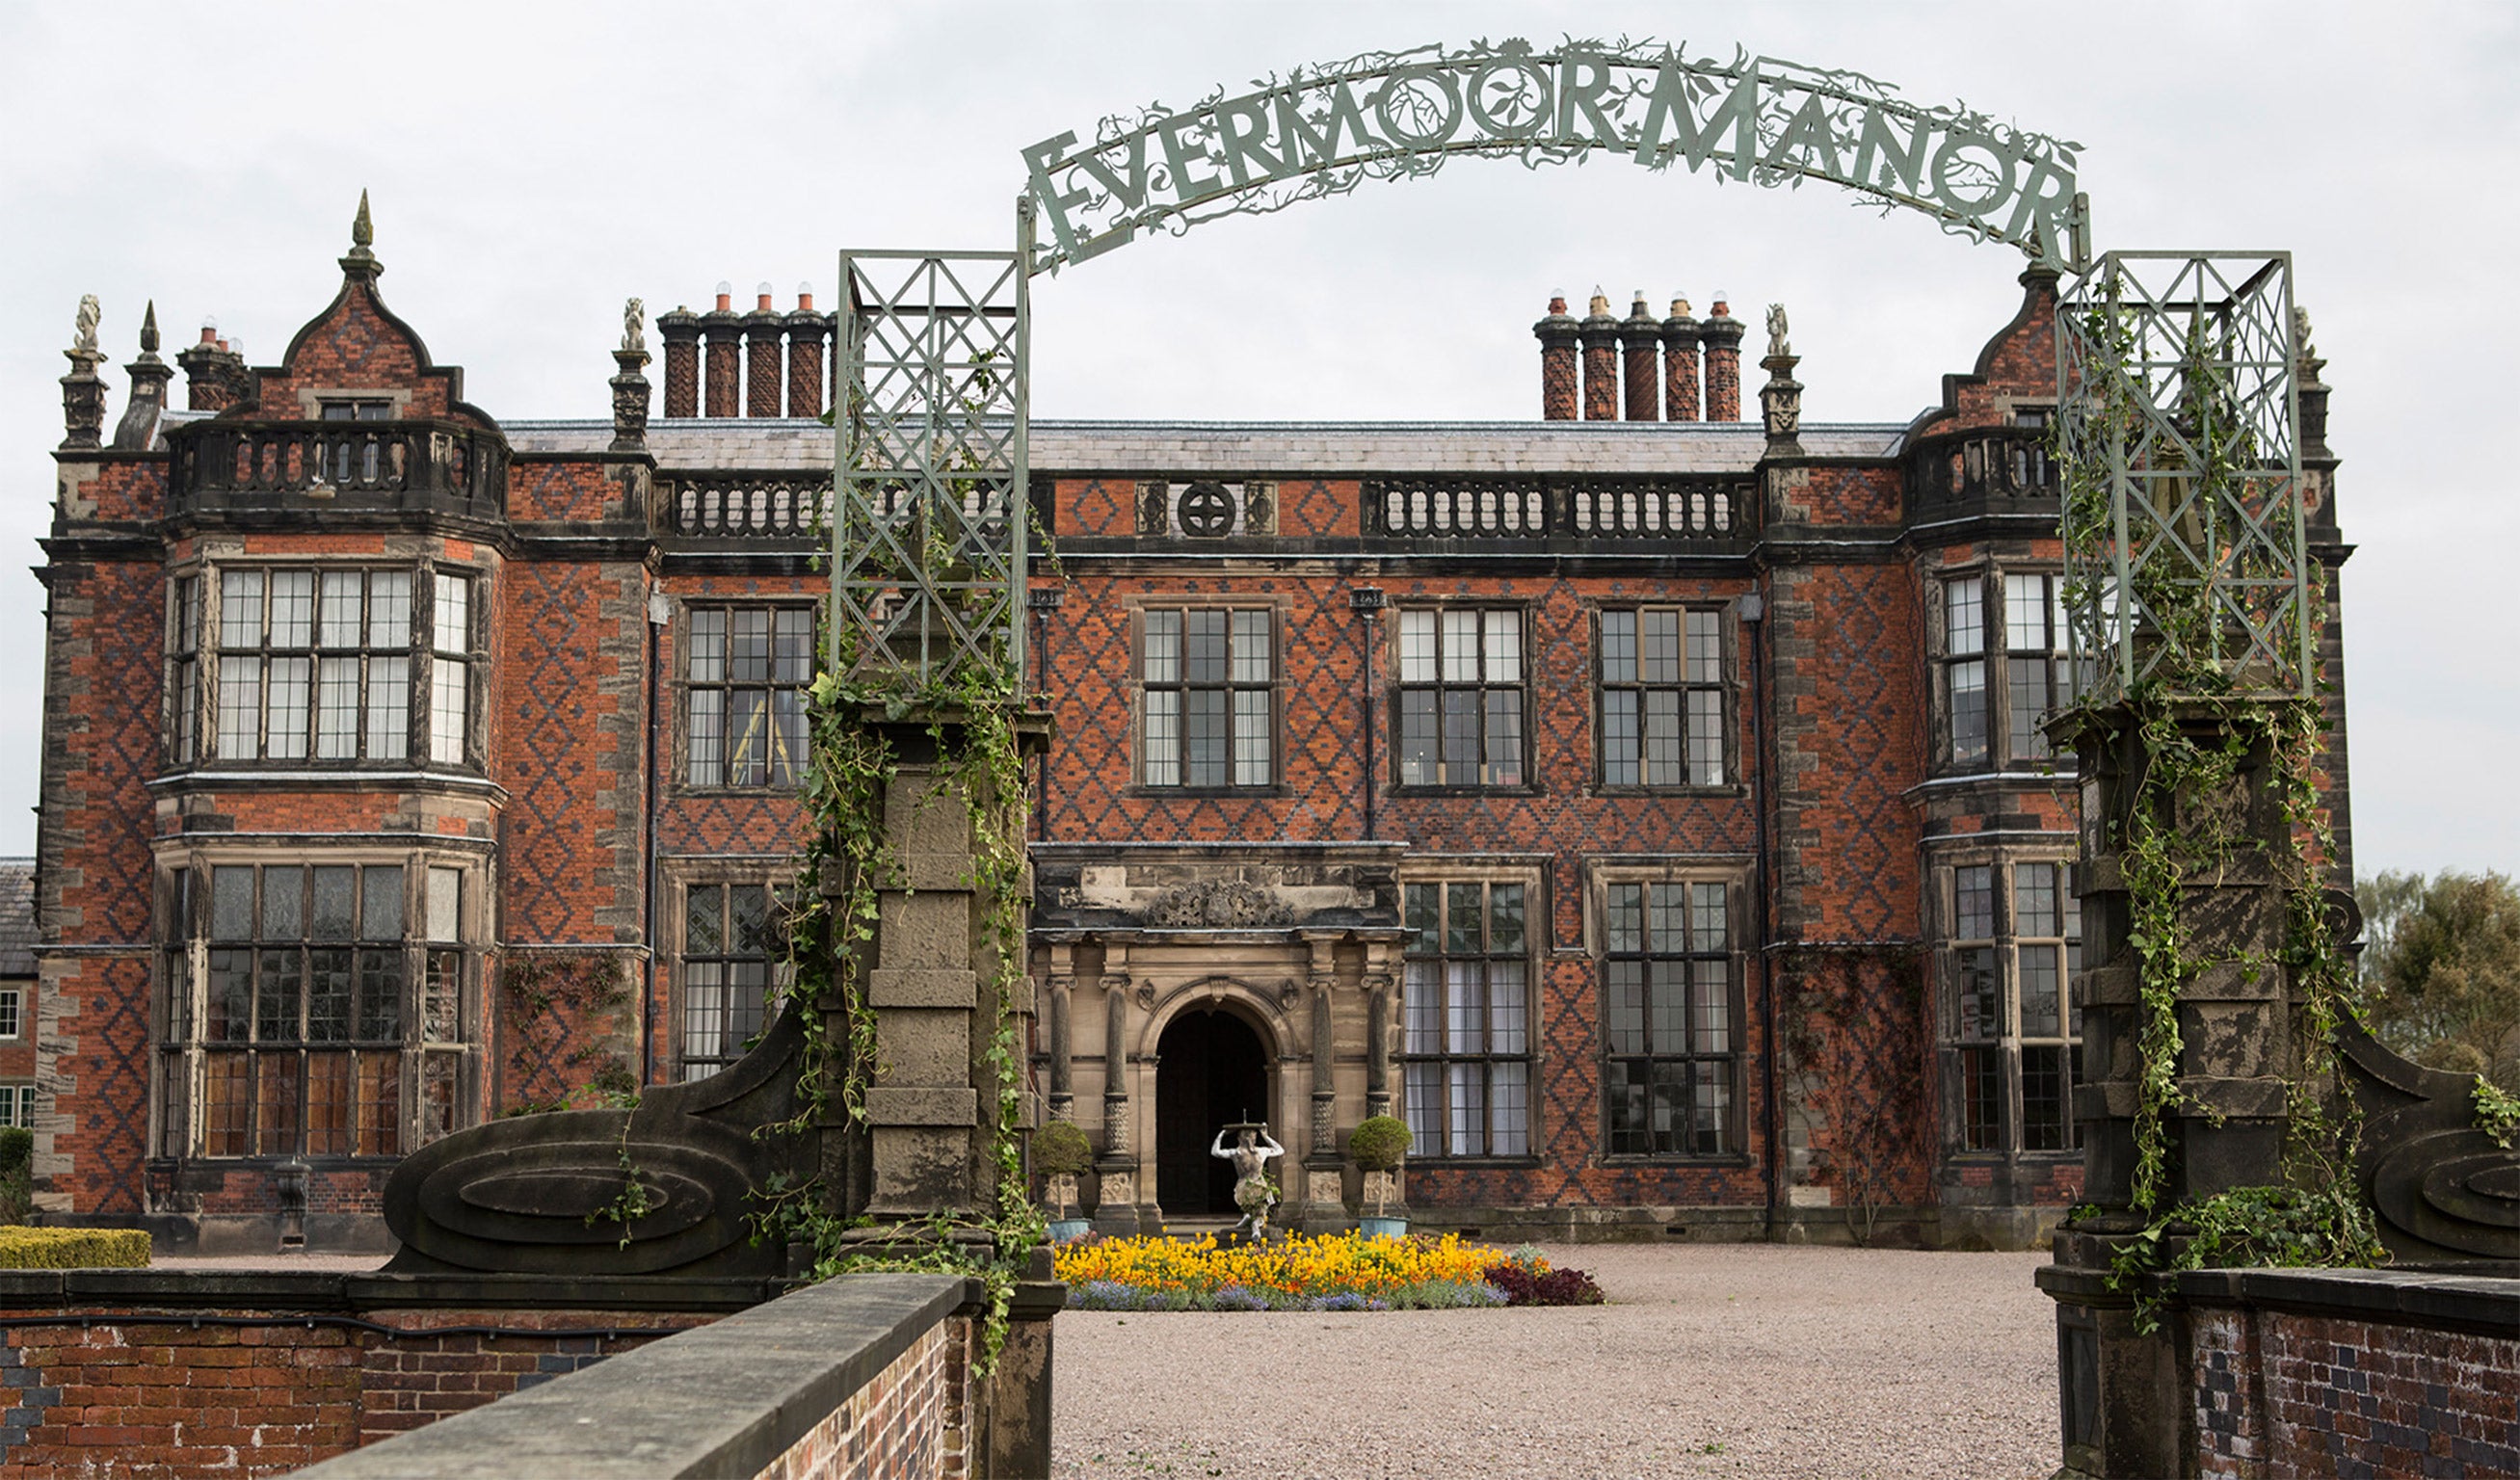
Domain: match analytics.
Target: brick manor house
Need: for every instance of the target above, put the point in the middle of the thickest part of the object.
(1649, 804)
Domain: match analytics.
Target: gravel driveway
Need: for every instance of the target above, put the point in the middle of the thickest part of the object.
(1709, 1360)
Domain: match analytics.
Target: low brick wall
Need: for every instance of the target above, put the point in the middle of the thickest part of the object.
(2341, 1372)
(865, 1378)
(166, 1375)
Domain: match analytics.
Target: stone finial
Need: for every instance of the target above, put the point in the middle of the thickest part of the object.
(362, 262)
(142, 413)
(149, 332)
(1779, 347)
(83, 393)
(2302, 348)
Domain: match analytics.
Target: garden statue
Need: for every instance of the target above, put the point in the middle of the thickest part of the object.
(634, 326)
(1779, 347)
(1252, 1192)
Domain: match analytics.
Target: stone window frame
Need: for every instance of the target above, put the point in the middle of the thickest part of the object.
(1725, 685)
(1276, 605)
(189, 709)
(1734, 874)
(437, 1074)
(678, 776)
(1983, 1064)
(1532, 876)
(1400, 687)
(680, 874)
(1996, 660)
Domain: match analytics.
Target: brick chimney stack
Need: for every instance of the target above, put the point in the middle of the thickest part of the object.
(1556, 335)
(1679, 364)
(764, 330)
(214, 376)
(1600, 336)
(681, 332)
(723, 328)
(1723, 336)
(1639, 341)
(807, 332)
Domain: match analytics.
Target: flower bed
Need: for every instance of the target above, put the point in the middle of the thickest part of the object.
(1338, 1271)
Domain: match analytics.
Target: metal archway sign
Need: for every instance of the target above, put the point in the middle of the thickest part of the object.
(1323, 130)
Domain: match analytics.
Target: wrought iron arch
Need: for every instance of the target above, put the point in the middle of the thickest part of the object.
(1323, 130)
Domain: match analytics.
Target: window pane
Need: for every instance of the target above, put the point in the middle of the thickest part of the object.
(1619, 738)
(2040, 989)
(453, 619)
(748, 747)
(1624, 983)
(1508, 1109)
(708, 645)
(1705, 738)
(1462, 918)
(228, 1012)
(332, 919)
(1968, 711)
(1205, 746)
(240, 709)
(1963, 621)
(2025, 613)
(1422, 906)
(1418, 737)
(239, 609)
(1469, 1109)
(1705, 648)
(748, 908)
(445, 903)
(1618, 646)
(705, 921)
(1163, 739)
(2034, 899)
(1711, 1105)
(792, 647)
(1665, 928)
(284, 904)
(1624, 1098)
(1466, 1007)
(380, 1104)
(1504, 917)
(227, 1109)
(1708, 917)
(388, 608)
(337, 708)
(1625, 909)
(1251, 738)
(2043, 1098)
(1163, 647)
(1204, 650)
(1504, 763)
(379, 996)
(1659, 647)
(1668, 1025)
(2028, 702)
(1981, 1005)
(286, 739)
(231, 903)
(708, 736)
(1425, 1105)
(448, 701)
(1973, 895)
(1421, 1005)
(1508, 1010)
(1416, 647)
(279, 996)
(1504, 630)
(1981, 1099)
(380, 902)
(787, 754)
(388, 708)
(293, 608)
(442, 1004)
(1461, 647)
(1710, 1006)
(748, 645)
(328, 1104)
(1662, 738)
(1461, 735)
(1251, 646)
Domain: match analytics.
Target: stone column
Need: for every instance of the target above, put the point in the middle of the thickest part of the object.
(681, 332)
(724, 330)
(630, 391)
(1679, 364)
(1781, 405)
(764, 377)
(1377, 1044)
(2124, 1394)
(1117, 1168)
(1721, 333)
(1063, 993)
(1639, 340)
(1323, 1205)
(1600, 336)
(1559, 399)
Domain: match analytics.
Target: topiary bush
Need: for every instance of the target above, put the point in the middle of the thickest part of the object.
(23, 1248)
(1379, 1143)
(1060, 1149)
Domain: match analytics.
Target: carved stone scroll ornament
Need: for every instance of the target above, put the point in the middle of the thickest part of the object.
(2443, 1189)
(545, 1194)
(1221, 904)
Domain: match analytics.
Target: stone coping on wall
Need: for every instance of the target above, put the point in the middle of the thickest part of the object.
(2477, 1298)
(726, 1399)
(315, 1290)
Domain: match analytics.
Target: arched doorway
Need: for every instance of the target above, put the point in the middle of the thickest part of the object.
(1210, 1072)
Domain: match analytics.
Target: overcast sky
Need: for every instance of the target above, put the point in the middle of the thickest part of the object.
(533, 165)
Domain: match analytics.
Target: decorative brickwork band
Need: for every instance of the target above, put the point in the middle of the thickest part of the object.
(1723, 336)
(808, 333)
(1679, 364)
(1601, 334)
(1640, 338)
(680, 331)
(764, 330)
(1557, 381)
(724, 330)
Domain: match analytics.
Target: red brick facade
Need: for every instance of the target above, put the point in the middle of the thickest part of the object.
(589, 775)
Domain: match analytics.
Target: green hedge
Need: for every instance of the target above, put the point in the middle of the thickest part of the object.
(25, 1248)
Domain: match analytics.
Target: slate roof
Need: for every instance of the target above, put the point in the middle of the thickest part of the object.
(16, 916)
(1321, 448)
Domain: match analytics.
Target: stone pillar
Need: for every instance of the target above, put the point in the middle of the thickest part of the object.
(2312, 390)
(1600, 336)
(724, 330)
(681, 332)
(1721, 333)
(1780, 402)
(82, 391)
(763, 377)
(1639, 340)
(2125, 1395)
(808, 333)
(1558, 397)
(1117, 1168)
(1063, 995)
(1679, 364)
(146, 406)
(630, 385)
(1323, 1205)
(1378, 1044)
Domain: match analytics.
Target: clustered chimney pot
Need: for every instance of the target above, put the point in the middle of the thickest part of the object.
(762, 363)
(1590, 384)
(1558, 397)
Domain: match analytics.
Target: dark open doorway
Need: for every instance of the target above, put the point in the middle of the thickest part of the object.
(1210, 1072)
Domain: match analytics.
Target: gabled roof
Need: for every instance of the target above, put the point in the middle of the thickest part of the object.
(17, 927)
